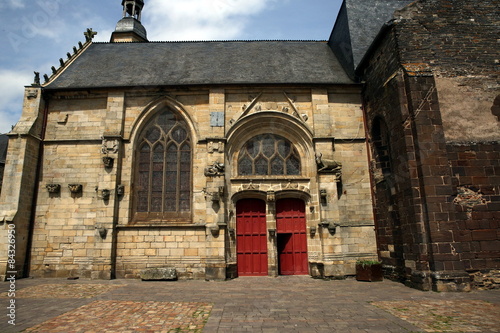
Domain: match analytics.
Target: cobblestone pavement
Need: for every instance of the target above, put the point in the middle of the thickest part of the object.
(257, 304)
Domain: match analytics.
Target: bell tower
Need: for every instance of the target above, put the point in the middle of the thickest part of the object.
(129, 28)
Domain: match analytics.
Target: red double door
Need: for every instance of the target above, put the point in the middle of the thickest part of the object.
(252, 237)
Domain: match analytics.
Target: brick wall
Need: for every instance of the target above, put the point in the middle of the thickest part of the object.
(455, 36)
(431, 80)
(458, 41)
(476, 231)
(393, 151)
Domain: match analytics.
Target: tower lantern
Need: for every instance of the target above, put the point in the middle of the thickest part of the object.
(129, 28)
(132, 8)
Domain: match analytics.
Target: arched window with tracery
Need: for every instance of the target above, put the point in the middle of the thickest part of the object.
(163, 176)
(268, 155)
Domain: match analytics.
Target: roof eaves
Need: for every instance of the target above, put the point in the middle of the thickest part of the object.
(218, 84)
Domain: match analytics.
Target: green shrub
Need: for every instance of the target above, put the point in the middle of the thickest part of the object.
(368, 262)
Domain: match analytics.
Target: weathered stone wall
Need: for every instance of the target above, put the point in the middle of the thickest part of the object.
(2, 168)
(432, 77)
(4, 141)
(459, 41)
(88, 234)
(476, 230)
(392, 150)
(189, 251)
(66, 240)
(20, 177)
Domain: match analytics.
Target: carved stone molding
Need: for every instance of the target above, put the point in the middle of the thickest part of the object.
(250, 186)
(215, 146)
(259, 103)
(271, 190)
(291, 186)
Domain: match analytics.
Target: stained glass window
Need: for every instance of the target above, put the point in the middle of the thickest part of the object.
(163, 177)
(268, 154)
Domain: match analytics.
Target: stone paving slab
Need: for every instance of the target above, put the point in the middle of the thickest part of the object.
(63, 291)
(253, 304)
(447, 316)
(129, 316)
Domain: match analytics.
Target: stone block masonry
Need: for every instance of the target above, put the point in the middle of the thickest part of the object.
(93, 231)
(429, 96)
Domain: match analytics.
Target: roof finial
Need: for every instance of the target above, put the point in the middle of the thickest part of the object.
(89, 34)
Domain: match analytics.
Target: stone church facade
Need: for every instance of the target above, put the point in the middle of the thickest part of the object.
(261, 158)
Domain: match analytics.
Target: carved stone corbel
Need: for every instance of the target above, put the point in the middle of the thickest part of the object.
(53, 188)
(108, 161)
(32, 93)
(75, 188)
(120, 190)
(328, 165)
(214, 170)
(110, 145)
(105, 194)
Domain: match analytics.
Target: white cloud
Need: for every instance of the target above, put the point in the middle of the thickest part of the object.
(16, 3)
(199, 19)
(11, 104)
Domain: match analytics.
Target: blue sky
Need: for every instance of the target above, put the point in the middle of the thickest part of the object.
(36, 33)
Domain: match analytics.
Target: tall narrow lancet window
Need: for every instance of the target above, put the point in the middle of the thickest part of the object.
(268, 155)
(163, 176)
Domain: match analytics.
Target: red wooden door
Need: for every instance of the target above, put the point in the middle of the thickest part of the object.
(251, 241)
(292, 237)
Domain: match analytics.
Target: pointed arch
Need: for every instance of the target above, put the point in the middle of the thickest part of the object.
(281, 128)
(163, 166)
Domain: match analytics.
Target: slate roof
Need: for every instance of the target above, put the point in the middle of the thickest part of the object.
(199, 63)
(4, 140)
(358, 23)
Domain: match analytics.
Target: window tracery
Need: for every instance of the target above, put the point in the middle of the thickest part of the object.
(268, 155)
(163, 177)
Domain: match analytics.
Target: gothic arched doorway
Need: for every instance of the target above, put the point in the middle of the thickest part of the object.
(291, 237)
(251, 242)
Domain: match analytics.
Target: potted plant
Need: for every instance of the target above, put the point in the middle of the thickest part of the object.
(369, 270)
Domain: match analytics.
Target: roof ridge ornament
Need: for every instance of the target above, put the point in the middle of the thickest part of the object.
(89, 35)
